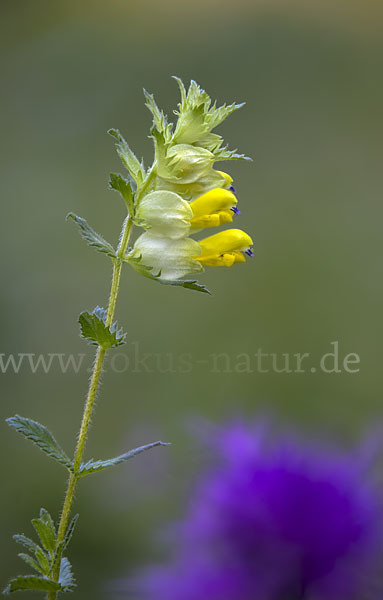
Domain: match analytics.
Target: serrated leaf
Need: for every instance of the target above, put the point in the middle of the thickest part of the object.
(215, 115)
(135, 168)
(93, 466)
(225, 154)
(91, 237)
(189, 284)
(96, 332)
(34, 548)
(66, 578)
(31, 582)
(119, 184)
(32, 563)
(26, 542)
(39, 435)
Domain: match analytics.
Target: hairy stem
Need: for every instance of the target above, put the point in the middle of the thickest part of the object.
(91, 396)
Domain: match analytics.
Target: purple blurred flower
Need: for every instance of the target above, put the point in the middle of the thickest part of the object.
(275, 521)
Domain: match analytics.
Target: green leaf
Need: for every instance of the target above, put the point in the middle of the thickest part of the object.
(69, 531)
(48, 521)
(66, 578)
(45, 531)
(96, 332)
(123, 187)
(31, 582)
(43, 560)
(91, 237)
(93, 466)
(39, 435)
(63, 545)
(32, 563)
(135, 168)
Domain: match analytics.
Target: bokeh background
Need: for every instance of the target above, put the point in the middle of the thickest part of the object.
(310, 73)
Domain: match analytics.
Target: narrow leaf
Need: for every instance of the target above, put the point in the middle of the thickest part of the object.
(43, 560)
(32, 563)
(93, 466)
(63, 545)
(39, 435)
(70, 530)
(123, 187)
(91, 237)
(95, 331)
(31, 582)
(47, 519)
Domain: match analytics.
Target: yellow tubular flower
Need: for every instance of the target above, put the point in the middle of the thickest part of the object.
(224, 249)
(213, 208)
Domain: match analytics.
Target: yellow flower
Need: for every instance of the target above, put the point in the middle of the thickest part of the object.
(225, 248)
(213, 208)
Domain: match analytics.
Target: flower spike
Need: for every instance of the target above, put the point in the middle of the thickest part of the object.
(184, 194)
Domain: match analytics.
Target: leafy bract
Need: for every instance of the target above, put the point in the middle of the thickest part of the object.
(135, 168)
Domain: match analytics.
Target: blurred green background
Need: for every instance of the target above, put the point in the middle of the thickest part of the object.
(310, 73)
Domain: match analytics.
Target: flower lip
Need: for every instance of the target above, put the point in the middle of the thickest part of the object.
(227, 241)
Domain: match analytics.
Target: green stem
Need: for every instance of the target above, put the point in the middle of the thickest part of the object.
(91, 396)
